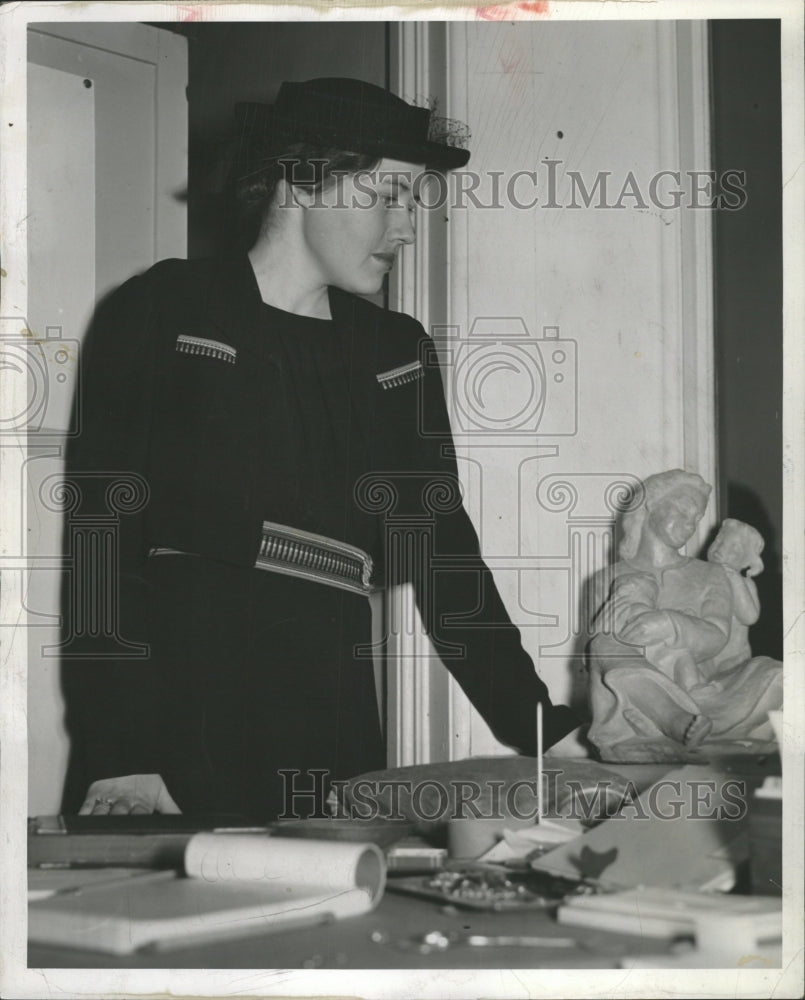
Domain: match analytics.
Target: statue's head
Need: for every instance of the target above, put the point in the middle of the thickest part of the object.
(673, 504)
(737, 545)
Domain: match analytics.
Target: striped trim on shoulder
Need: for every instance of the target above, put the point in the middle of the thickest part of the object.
(206, 348)
(401, 375)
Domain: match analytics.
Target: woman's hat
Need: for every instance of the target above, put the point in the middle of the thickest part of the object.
(357, 117)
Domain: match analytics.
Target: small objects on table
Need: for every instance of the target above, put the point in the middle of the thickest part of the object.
(489, 887)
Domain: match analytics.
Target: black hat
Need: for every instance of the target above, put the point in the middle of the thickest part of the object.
(358, 117)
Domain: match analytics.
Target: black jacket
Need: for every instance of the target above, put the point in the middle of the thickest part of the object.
(189, 425)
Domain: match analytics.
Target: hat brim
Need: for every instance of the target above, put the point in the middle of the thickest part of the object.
(437, 155)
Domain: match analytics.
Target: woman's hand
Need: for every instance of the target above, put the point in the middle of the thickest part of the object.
(134, 793)
(649, 628)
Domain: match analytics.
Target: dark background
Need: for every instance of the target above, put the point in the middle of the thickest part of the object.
(748, 261)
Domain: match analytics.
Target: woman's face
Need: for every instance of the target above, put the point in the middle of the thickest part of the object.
(354, 228)
(673, 518)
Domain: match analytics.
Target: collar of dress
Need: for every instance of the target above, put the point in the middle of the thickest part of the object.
(233, 303)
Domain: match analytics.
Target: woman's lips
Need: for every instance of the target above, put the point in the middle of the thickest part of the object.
(388, 259)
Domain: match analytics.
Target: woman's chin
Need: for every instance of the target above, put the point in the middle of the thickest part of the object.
(368, 287)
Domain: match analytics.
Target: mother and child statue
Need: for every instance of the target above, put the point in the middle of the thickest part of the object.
(671, 669)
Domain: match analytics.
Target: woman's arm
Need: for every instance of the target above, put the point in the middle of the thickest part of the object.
(460, 604)
(111, 693)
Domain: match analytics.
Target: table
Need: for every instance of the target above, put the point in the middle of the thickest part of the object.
(348, 944)
(397, 921)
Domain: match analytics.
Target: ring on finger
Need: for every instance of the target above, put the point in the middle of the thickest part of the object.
(104, 800)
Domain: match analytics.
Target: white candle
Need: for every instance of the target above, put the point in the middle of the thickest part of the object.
(541, 811)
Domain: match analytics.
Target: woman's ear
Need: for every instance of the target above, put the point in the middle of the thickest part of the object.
(283, 195)
(303, 197)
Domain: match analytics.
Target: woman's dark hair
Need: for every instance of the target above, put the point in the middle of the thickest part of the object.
(254, 184)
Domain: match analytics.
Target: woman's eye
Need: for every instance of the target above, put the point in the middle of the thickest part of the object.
(394, 201)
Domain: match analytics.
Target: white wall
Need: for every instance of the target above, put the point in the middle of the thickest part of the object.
(628, 290)
(107, 168)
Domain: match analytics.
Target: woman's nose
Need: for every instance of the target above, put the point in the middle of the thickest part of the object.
(402, 228)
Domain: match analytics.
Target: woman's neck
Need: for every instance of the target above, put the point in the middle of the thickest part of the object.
(285, 283)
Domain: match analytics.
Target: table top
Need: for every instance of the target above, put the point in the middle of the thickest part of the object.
(391, 935)
(387, 938)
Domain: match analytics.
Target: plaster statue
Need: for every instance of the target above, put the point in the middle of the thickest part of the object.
(670, 664)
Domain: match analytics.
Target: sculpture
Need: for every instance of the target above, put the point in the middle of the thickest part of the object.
(670, 664)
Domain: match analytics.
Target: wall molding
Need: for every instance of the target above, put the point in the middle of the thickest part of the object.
(417, 699)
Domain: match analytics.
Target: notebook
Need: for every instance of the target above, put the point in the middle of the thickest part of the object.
(233, 885)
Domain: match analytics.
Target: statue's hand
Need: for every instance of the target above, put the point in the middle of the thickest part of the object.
(649, 628)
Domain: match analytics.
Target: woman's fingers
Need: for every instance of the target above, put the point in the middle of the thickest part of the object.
(111, 806)
(98, 801)
(165, 802)
(129, 794)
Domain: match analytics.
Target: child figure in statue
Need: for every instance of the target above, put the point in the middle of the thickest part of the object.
(737, 548)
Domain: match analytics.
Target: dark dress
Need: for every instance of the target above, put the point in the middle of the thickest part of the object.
(252, 653)
(251, 672)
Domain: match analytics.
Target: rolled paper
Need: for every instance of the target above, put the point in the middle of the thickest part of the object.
(325, 866)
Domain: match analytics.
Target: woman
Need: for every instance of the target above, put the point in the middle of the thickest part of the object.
(642, 710)
(267, 407)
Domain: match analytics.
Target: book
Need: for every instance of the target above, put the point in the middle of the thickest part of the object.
(232, 885)
(669, 913)
(147, 841)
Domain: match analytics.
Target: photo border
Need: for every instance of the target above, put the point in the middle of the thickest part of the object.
(16, 979)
